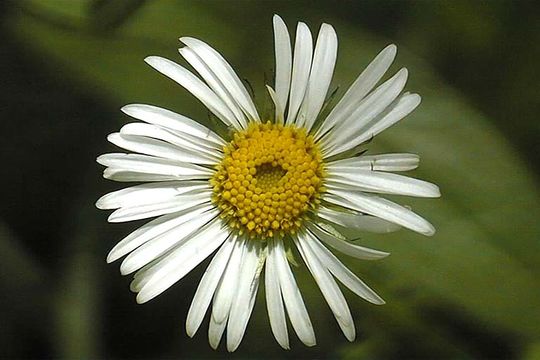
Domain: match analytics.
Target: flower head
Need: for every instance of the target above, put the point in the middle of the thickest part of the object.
(268, 184)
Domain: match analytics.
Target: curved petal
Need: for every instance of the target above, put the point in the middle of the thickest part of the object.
(345, 247)
(194, 85)
(274, 300)
(381, 162)
(343, 274)
(303, 52)
(360, 88)
(179, 203)
(153, 229)
(153, 165)
(356, 220)
(180, 261)
(296, 309)
(243, 303)
(380, 182)
(322, 69)
(171, 120)
(207, 287)
(215, 84)
(159, 245)
(379, 207)
(340, 137)
(225, 73)
(283, 56)
(330, 290)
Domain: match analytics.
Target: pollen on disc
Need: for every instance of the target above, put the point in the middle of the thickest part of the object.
(270, 176)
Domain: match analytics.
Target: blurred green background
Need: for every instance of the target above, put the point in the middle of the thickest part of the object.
(472, 291)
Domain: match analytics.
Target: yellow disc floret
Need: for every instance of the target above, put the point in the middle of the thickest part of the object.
(270, 176)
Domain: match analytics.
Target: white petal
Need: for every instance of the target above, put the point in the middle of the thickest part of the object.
(402, 107)
(171, 120)
(182, 260)
(225, 73)
(153, 165)
(215, 332)
(303, 51)
(215, 84)
(159, 245)
(283, 64)
(345, 134)
(228, 284)
(379, 182)
(322, 69)
(382, 162)
(148, 146)
(179, 203)
(330, 290)
(379, 207)
(174, 137)
(274, 301)
(153, 229)
(194, 85)
(343, 274)
(296, 309)
(148, 193)
(345, 247)
(356, 220)
(207, 287)
(132, 176)
(279, 111)
(246, 292)
(362, 85)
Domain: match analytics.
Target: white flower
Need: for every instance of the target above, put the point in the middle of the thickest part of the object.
(268, 184)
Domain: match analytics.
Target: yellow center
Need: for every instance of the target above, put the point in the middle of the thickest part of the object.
(270, 176)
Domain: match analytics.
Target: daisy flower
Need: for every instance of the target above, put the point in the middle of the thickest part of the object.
(265, 188)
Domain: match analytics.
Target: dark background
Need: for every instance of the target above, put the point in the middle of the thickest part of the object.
(471, 291)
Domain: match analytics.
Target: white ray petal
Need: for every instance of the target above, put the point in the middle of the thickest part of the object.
(246, 292)
(174, 137)
(159, 245)
(356, 220)
(121, 175)
(158, 148)
(330, 290)
(402, 107)
(225, 73)
(229, 284)
(296, 309)
(215, 332)
(342, 273)
(153, 229)
(278, 110)
(153, 165)
(274, 300)
(194, 85)
(356, 92)
(380, 207)
(148, 193)
(283, 55)
(179, 203)
(344, 135)
(380, 182)
(322, 69)
(171, 120)
(345, 247)
(215, 84)
(182, 260)
(380, 162)
(207, 287)
(303, 52)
